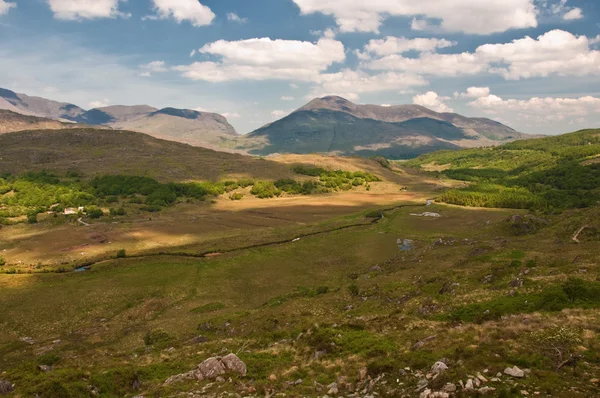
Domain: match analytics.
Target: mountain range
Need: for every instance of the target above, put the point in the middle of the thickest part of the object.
(325, 125)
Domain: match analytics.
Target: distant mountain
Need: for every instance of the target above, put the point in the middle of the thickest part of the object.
(11, 121)
(334, 124)
(181, 125)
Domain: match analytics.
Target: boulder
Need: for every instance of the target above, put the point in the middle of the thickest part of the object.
(234, 364)
(211, 368)
(181, 377)
(6, 387)
(450, 387)
(514, 372)
(439, 367)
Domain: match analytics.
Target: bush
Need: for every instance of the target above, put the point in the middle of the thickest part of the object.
(94, 213)
(236, 196)
(556, 343)
(49, 359)
(117, 212)
(121, 253)
(322, 289)
(157, 337)
(2, 262)
(265, 189)
(32, 218)
(353, 289)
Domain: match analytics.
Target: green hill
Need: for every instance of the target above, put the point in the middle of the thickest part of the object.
(548, 173)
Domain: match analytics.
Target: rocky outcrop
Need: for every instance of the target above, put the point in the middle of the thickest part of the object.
(211, 369)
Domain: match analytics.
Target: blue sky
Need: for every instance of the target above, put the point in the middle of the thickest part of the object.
(533, 64)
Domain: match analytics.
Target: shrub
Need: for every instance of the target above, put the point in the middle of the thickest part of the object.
(322, 289)
(49, 359)
(236, 196)
(121, 253)
(353, 289)
(2, 261)
(117, 212)
(32, 218)
(265, 189)
(556, 343)
(94, 212)
(157, 337)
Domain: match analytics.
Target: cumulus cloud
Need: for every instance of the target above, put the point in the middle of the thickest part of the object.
(398, 45)
(574, 13)
(432, 101)
(233, 17)
(265, 59)
(231, 115)
(278, 113)
(287, 98)
(294, 86)
(192, 53)
(183, 10)
(469, 16)
(85, 9)
(541, 110)
(99, 104)
(351, 83)
(5, 6)
(474, 92)
(154, 66)
(556, 52)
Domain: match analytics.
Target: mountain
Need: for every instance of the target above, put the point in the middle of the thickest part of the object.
(181, 125)
(334, 124)
(93, 151)
(11, 121)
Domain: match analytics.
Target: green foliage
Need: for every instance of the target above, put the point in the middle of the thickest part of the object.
(2, 261)
(157, 337)
(308, 171)
(94, 212)
(117, 212)
(236, 196)
(574, 293)
(556, 343)
(32, 218)
(265, 189)
(544, 174)
(353, 289)
(49, 359)
(121, 253)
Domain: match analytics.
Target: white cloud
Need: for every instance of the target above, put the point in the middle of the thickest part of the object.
(85, 9)
(432, 64)
(386, 105)
(432, 101)
(350, 83)
(99, 104)
(192, 53)
(287, 98)
(398, 45)
(474, 92)
(278, 113)
(231, 115)
(421, 24)
(556, 52)
(265, 59)
(540, 110)
(294, 86)
(154, 66)
(469, 16)
(184, 10)
(575, 13)
(233, 17)
(5, 6)
(595, 40)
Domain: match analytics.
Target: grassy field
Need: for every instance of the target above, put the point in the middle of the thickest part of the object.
(352, 294)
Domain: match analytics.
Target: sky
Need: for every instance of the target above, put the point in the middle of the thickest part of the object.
(531, 64)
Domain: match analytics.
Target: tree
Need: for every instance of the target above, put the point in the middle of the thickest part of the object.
(557, 344)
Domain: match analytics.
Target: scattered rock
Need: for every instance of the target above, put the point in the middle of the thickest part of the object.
(469, 385)
(27, 340)
(421, 343)
(516, 283)
(487, 279)
(44, 368)
(480, 377)
(486, 390)
(514, 372)
(180, 378)
(210, 368)
(220, 379)
(449, 387)
(198, 340)
(319, 354)
(272, 377)
(439, 367)
(299, 381)
(595, 381)
(362, 374)
(332, 389)
(6, 386)
(426, 214)
(422, 384)
(376, 268)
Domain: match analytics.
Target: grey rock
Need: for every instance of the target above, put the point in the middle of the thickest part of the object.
(44, 368)
(198, 340)
(6, 387)
(450, 387)
(469, 385)
(439, 367)
(234, 364)
(181, 377)
(299, 381)
(514, 372)
(211, 368)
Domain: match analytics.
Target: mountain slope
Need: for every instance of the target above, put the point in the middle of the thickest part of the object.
(182, 125)
(334, 124)
(12, 121)
(94, 151)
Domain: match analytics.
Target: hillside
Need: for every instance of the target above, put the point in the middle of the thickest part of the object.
(181, 125)
(546, 173)
(333, 124)
(97, 152)
(11, 121)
